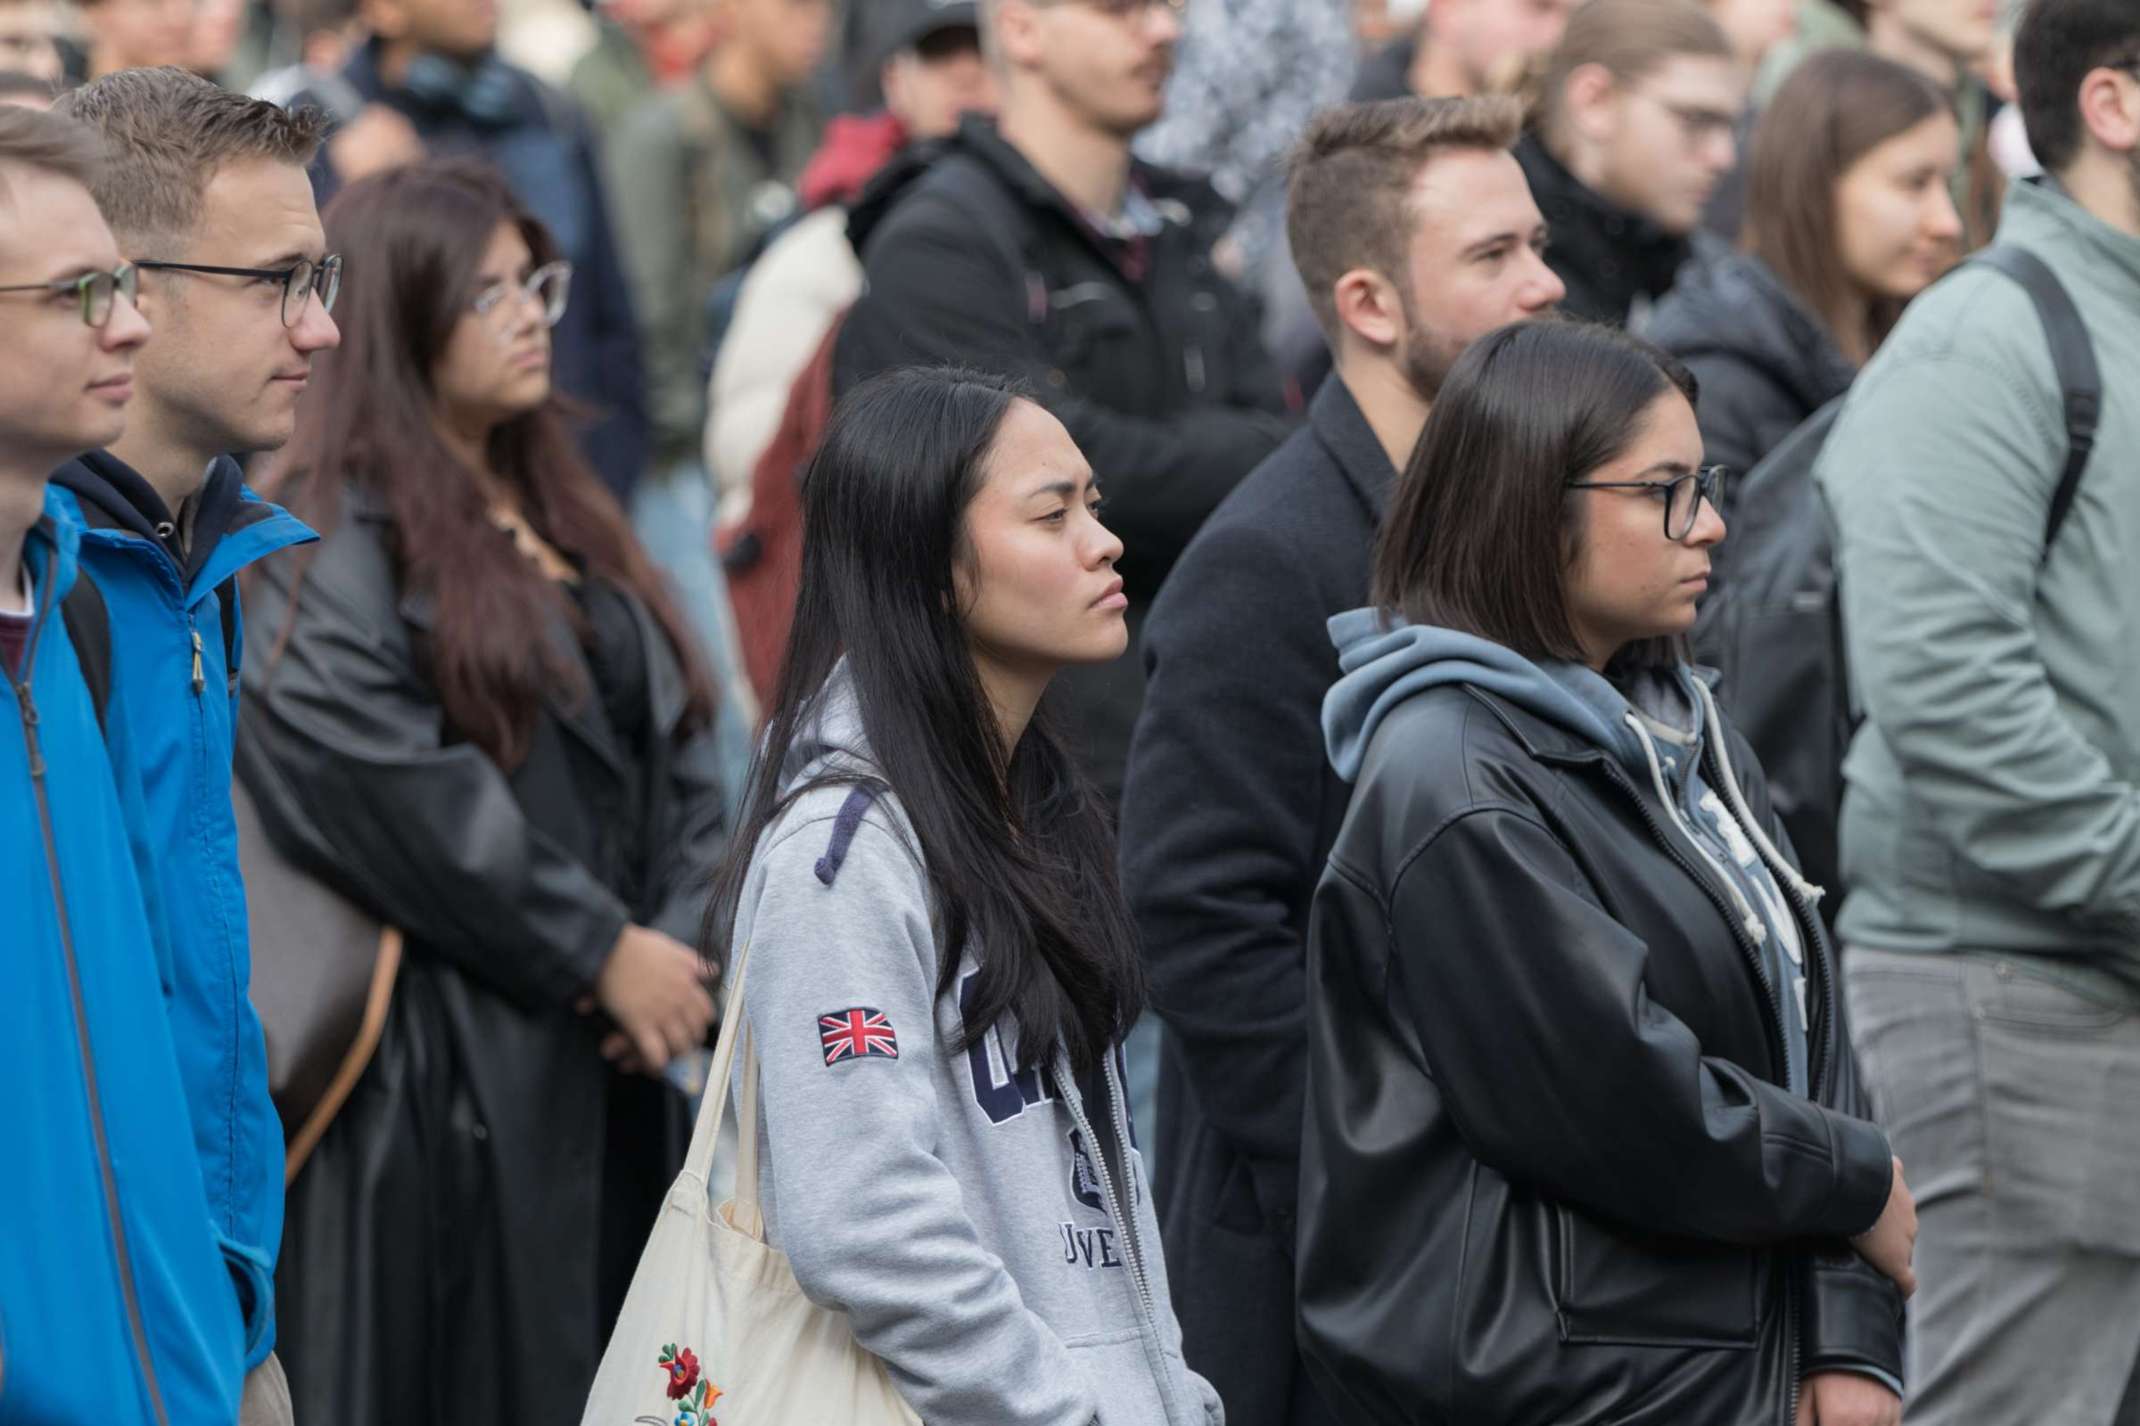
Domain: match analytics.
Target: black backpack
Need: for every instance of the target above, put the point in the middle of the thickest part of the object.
(1772, 624)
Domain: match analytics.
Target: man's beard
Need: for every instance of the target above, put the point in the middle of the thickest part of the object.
(1428, 355)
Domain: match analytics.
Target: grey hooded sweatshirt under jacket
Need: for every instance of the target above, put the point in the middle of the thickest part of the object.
(1654, 723)
(948, 1204)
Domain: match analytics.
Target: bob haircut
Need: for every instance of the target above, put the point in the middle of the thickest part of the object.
(1483, 531)
(1019, 849)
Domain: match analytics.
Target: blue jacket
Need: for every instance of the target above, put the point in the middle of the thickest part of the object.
(176, 693)
(115, 1306)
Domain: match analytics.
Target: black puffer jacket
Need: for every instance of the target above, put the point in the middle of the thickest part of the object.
(1764, 362)
(1148, 355)
(1550, 1172)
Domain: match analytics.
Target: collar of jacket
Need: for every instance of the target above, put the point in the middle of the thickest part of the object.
(1183, 202)
(50, 548)
(1592, 227)
(1737, 306)
(496, 96)
(2040, 206)
(1544, 740)
(1340, 424)
(231, 526)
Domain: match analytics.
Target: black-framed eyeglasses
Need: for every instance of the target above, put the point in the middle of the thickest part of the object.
(1682, 495)
(303, 280)
(549, 287)
(95, 290)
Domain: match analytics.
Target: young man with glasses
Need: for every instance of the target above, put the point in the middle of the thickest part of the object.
(1634, 131)
(1035, 246)
(207, 193)
(115, 1304)
(1991, 822)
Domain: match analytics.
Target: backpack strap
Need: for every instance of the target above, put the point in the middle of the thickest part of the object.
(2080, 381)
(226, 596)
(88, 624)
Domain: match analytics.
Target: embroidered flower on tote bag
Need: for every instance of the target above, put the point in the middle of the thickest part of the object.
(694, 1398)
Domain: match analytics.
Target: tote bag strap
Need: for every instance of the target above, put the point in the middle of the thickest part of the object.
(746, 1194)
(735, 1033)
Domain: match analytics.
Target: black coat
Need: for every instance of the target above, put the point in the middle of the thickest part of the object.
(1153, 363)
(1764, 363)
(1229, 811)
(541, 143)
(458, 1245)
(1606, 256)
(1549, 1172)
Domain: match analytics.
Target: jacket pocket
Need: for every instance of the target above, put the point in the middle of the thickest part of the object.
(254, 1283)
(1633, 1289)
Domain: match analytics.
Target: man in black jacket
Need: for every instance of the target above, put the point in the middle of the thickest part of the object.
(1415, 234)
(1037, 247)
(1634, 132)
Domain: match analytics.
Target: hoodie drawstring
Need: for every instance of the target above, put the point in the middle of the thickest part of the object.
(1778, 863)
(1749, 919)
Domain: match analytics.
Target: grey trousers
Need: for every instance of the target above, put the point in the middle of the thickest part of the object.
(2014, 1105)
(266, 1401)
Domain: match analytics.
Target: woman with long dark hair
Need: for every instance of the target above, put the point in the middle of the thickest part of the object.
(1585, 1141)
(941, 965)
(1848, 216)
(472, 709)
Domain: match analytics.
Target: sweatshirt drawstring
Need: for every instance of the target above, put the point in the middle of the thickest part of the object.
(1778, 863)
(1749, 919)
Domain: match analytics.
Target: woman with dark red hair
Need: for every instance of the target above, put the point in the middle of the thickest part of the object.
(472, 709)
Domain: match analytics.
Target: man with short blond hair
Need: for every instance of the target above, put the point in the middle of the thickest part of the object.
(114, 1302)
(207, 193)
(1415, 234)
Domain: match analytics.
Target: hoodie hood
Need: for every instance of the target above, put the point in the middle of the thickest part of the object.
(829, 737)
(1384, 661)
(115, 496)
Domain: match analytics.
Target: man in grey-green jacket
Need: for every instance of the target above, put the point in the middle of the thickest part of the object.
(1991, 829)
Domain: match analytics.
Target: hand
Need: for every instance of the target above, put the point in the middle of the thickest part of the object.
(654, 987)
(1847, 1399)
(1890, 1243)
(376, 140)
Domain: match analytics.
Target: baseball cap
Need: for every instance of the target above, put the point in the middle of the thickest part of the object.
(909, 22)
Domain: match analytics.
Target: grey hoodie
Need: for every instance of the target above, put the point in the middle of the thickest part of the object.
(1655, 727)
(951, 1207)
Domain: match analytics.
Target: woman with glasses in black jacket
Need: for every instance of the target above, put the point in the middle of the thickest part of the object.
(1585, 1141)
(473, 709)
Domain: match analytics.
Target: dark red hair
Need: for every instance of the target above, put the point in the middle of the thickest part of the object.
(412, 242)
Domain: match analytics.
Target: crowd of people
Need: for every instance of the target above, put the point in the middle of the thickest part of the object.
(1407, 713)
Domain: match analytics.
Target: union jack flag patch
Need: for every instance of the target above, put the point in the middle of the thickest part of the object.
(856, 1034)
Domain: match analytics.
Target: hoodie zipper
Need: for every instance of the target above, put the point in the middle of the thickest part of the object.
(28, 708)
(1132, 1246)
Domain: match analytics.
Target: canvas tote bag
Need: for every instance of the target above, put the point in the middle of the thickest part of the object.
(715, 1331)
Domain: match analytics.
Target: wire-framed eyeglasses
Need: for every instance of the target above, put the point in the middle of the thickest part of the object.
(549, 287)
(1682, 496)
(96, 291)
(301, 281)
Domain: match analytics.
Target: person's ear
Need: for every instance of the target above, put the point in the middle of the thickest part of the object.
(1368, 306)
(1590, 100)
(892, 78)
(2110, 109)
(1017, 33)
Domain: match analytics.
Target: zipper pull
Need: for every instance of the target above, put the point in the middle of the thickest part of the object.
(30, 721)
(200, 677)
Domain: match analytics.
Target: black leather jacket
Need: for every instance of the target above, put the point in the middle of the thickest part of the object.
(1549, 1171)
